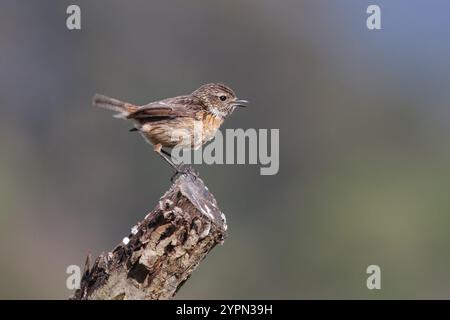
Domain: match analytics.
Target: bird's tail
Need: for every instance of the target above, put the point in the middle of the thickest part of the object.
(123, 109)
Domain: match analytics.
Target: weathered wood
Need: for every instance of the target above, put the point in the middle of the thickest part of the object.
(163, 249)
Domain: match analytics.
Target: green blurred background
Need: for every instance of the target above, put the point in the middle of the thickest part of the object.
(364, 153)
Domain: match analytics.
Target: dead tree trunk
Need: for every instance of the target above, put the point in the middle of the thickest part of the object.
(162, 250)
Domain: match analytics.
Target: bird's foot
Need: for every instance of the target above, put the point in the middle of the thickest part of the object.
(185, 169)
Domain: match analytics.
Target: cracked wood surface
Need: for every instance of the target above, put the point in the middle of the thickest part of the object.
(163, 249)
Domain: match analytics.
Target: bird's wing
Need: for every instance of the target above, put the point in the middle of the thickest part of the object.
(182, 106)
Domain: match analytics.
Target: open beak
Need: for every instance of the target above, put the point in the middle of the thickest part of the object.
(240, 103)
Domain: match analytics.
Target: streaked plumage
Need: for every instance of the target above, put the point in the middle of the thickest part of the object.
(160, 122)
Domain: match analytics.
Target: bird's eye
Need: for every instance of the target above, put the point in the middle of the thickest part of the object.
(223, 98)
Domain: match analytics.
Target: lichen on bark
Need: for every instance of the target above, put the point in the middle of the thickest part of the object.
(162, 250)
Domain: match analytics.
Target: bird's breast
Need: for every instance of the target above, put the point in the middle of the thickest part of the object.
(183, 131)
(211, 123)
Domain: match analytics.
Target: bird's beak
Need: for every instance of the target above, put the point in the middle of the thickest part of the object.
(240, 103)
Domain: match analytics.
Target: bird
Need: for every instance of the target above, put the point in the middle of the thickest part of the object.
(172, 122)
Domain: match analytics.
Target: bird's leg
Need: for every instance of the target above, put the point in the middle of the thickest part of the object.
(165, 155)
(179, 169)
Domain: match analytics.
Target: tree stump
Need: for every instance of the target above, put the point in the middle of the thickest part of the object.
(162, 250)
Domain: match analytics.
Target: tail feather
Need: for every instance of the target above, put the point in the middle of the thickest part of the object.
(123, 108)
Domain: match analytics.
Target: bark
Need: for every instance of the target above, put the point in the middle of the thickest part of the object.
(163, 249)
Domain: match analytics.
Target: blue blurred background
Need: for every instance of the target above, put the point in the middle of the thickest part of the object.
(364, 123)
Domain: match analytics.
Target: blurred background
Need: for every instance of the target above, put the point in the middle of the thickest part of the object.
(364, 125)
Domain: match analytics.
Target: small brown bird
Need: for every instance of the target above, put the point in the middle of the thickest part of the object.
(167, 123)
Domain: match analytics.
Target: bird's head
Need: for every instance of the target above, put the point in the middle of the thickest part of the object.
(218, 99)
